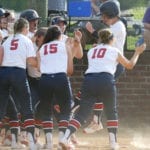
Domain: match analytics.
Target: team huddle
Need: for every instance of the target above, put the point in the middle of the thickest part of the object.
(35, 66)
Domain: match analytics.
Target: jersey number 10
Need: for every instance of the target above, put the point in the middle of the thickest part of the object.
(99, 53)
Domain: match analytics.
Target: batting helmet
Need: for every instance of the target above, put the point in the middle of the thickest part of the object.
(110, 9)
(3, 13)
(57, 20)
(29, 14)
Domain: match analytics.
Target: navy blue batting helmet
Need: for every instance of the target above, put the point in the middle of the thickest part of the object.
(58, 19)
(110, 9)
(29, 14)
(4, 13)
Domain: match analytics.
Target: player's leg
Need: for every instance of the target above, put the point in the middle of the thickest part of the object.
(4, 96)
(63, 97)
(14, 124)
(96, 123)
(21, 89)
(111, 114)
(79, 119)
(85, 109)
(34, 86)
(44, 109)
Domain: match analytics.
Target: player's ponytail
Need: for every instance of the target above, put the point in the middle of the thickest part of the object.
(105, 36)
(53, 33)
(19, 25)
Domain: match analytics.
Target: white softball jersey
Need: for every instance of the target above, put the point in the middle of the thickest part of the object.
(16, 50)
(53, 57)
(119, 31)
(30, 34)
(102, 58)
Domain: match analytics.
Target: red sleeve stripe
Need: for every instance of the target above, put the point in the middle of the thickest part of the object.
(29, 123)
(75, 123)
(14, 124)
(112, 124)
(98, 106)
(47, 124)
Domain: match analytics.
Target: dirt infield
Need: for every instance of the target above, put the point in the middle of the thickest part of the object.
(128, 139)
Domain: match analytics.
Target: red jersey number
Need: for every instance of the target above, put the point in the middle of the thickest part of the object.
(99, 53)
(52, 49)
(14, 44)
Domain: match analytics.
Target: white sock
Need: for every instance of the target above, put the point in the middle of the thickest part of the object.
(60, 135)
(31, 141)
(13, 142)
(95, 118)
(112, 137)
(23, 134)
(67, 134)
(49, 139)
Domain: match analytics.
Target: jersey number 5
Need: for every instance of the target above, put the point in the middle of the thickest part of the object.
(99, 53)
(14, 44)
(52, 49)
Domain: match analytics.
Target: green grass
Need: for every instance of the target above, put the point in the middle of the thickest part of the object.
(131, 40)
(138, 12)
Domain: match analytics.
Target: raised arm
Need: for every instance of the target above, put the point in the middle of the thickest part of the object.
(70, 57)
(77, 50)
(129, 64)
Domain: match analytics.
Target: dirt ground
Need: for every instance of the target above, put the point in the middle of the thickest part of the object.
(128, 139)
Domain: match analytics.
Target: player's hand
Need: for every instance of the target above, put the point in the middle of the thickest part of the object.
(77, 35)
(89, 27)
(140, 49)
(70, 42)
(95, 44)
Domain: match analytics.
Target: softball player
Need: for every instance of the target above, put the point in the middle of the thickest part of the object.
(99, 84)
(76, 51)
(16, 51)
(55, 62)
(110, 13)
(32, 16)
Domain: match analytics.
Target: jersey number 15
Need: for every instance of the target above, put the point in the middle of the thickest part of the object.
(51, 49)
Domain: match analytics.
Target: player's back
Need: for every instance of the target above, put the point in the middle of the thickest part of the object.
(53, 57)
(102, 58)
(16, 50)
